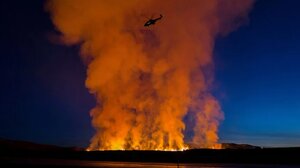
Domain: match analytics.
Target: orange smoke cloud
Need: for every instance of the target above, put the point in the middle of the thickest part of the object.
(146, 80)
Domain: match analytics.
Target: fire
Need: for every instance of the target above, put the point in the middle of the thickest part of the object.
(217, 146)
(147, 80)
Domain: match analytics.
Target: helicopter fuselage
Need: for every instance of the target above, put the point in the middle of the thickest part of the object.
(152, 21)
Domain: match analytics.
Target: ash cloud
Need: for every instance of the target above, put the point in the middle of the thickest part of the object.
(146, 80)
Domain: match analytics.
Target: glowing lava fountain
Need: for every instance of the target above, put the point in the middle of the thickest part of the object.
(151, 83)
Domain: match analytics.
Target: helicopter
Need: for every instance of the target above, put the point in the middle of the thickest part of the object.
(152, 21)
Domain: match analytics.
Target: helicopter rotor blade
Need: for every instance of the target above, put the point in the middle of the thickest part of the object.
(145, 16)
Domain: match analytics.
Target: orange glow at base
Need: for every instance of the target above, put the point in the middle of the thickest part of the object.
(215, 146)
(156, 149)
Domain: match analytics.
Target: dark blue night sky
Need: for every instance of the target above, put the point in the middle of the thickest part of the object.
(43, 97)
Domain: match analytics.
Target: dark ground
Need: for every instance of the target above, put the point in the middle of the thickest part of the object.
(19, 153)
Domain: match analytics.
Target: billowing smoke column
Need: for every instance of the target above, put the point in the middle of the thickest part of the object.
(147, 79)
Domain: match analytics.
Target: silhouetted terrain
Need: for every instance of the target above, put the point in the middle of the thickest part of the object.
(13, 145)
(26, 153)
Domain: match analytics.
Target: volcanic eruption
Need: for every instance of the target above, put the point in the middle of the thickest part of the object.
(146, 80)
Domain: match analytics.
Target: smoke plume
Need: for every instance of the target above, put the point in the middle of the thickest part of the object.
(147, 79)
